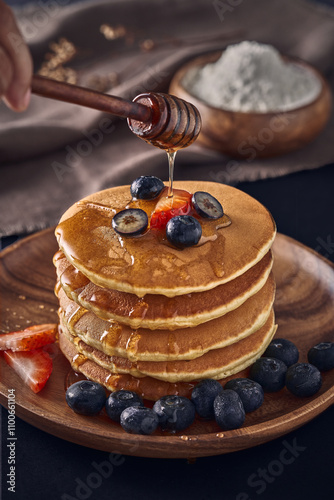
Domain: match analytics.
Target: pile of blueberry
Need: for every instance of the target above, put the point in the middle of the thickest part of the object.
(182, 230)
(277, 368)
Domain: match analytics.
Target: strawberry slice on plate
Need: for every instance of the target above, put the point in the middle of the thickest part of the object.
(34, 367)
(30, 338)
(170, 206)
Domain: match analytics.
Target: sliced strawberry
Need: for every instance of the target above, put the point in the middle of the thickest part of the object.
(30, 338)
(168, 207)
(34, 367)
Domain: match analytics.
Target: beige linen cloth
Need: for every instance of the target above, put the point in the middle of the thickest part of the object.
(56, 153)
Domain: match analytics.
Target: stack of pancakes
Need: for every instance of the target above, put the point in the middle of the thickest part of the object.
(138, 314)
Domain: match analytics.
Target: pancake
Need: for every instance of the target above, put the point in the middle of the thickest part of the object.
(159, 311)
(147, 387)
(216, 364)
(90, 244)
(115, 339)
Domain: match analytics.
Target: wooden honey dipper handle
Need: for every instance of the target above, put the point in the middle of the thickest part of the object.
(165, 121)
(74, 94)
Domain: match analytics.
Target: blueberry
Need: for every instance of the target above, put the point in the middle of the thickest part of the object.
(203, 396)
(183, 231)
(175, 413)
(322, 356)
(270, 373)
(146, 187)
(130, 222)
(119, 400)
(228, 409)
(282, 349)
(86, 397)
(139, 420)
(303, 379)
(207, 205)
(250, 392)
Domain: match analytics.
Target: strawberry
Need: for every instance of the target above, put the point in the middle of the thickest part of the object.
(168, 207)
(30, 338)
(34, 367)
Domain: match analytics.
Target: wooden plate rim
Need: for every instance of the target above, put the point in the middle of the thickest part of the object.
(160, 446)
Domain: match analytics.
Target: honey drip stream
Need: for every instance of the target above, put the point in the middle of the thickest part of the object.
(171, 162)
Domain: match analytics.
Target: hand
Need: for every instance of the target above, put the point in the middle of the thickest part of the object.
(15, 62)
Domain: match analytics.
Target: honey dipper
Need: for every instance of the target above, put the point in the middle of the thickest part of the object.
(165, 121)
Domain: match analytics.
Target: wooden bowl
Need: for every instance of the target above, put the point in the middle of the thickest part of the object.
(249, 135)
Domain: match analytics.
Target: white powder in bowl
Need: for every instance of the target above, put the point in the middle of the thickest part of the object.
(250, 76)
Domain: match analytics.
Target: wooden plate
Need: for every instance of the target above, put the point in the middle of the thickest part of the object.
(305, 315)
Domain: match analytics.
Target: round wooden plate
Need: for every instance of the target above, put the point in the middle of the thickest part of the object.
(305, 315)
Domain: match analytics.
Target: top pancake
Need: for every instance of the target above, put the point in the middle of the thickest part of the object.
(147, 264)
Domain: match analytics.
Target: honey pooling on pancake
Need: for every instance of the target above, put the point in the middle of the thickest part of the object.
(95, 219)
(90, 244)
(140, 251)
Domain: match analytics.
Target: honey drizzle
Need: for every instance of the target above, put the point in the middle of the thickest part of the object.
(73, 278)
(132, 345)
(115, 255)
(110, 338)
(205, 239)
(97, 206)
(147, 387)
(57, 288)
(78, 360)
(171, 162)
(225, 221)
(58, 256)
(139, 310)
(75, 316)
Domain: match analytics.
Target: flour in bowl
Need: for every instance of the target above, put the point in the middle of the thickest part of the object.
(250, 76)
